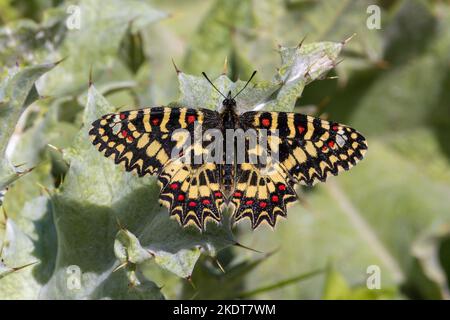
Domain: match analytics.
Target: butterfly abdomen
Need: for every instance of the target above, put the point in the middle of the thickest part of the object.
(227, 169)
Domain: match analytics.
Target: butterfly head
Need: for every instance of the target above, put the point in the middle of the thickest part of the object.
(229, 101)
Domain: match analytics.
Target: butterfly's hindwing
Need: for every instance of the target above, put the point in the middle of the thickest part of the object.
(261, 194)
(191, 193)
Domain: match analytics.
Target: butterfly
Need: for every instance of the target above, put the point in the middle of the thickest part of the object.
(308, 150)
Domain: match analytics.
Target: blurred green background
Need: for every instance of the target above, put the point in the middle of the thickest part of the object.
(392, 210)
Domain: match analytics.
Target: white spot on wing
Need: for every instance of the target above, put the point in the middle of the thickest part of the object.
(340, 140)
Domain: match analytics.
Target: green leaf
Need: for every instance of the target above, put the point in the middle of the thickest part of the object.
(300, 66)
(17, 91)
(128, 249)
(197, 92)
(131, 51)
(215, 39)
(28, 252)
(95, 45)
(25, 41)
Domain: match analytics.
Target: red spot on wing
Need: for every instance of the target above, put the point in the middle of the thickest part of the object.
(192, 204)
(275, 198)
(249, 202)
(122, 116)
(324, 148)
(218, 194)
(331, 143)
(191, 119)
(335, 128)
(238, 194)
(265, 122)
(124, 133)
(155, 121)
(206, 202)
(263, 204)
(130, 138)
(174, 186)
(301, 129)
(281, 187)
(180, 197)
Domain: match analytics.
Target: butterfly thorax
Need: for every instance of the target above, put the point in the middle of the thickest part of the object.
(228, 114)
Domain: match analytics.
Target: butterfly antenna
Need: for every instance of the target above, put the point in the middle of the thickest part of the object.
(251, 77)
(204, 74)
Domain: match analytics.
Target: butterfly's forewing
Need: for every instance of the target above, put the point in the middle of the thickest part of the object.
(143, 141)
(309, 150)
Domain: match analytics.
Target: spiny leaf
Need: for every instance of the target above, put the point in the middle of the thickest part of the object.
(197, 92)
(300, 66)
(95, 45)
(20, 255)
(338, 19)
(17, 91)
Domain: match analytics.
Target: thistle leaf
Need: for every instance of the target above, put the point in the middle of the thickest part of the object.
(17, 91)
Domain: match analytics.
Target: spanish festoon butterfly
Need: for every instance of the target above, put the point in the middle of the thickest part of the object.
(308, 148)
